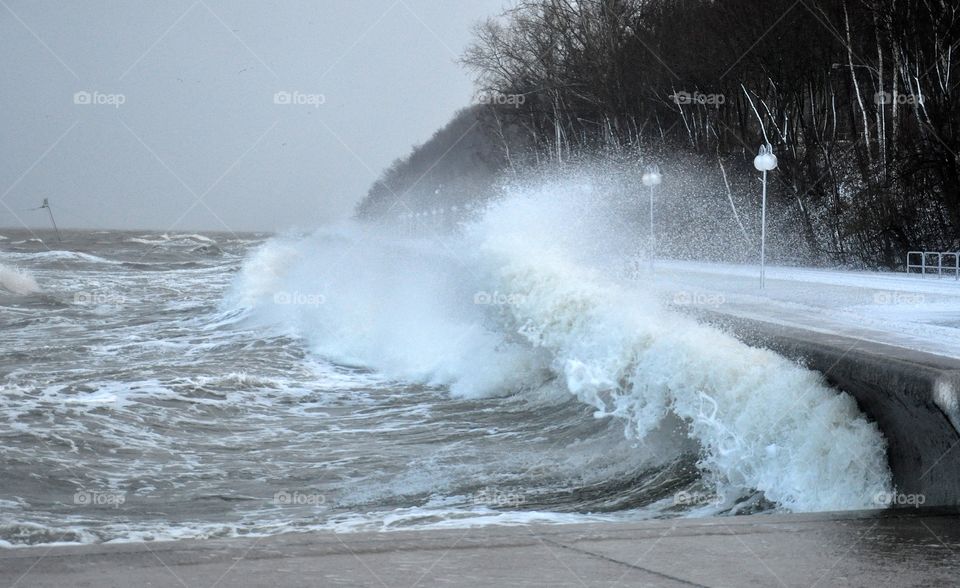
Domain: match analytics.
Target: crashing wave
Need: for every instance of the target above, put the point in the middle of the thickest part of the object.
(521, 302)
(17, 281)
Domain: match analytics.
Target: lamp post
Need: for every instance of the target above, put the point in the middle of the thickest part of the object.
(764, 161)
(652, 178)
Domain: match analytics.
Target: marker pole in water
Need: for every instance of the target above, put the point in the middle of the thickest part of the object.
(652, 178)
(46, 204)
(764, 161)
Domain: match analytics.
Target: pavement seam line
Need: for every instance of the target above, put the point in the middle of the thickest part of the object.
(623, 563)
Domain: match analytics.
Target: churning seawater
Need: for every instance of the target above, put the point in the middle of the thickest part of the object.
(157, 386)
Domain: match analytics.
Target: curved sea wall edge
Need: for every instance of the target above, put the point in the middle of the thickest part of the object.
(913, 396)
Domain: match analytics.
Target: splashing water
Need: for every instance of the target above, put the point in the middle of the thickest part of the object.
(17, 281)
(524, 301)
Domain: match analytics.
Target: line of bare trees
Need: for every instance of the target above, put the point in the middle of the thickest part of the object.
(858, 97)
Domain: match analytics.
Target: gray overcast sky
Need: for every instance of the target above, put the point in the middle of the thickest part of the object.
(199, 120)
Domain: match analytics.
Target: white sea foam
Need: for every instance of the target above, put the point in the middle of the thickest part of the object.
(60, 255)
(17, 281)
(762, 421)
(522, 299)
(195, 237)
(168, 239)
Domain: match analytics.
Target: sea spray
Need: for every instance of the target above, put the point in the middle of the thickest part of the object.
(17, 281)
(526, 299)
(762, 422)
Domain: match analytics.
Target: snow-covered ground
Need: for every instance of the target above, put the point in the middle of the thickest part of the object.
(899, 309)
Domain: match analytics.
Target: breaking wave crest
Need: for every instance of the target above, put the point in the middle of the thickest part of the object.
(17, 281)
(523, 301)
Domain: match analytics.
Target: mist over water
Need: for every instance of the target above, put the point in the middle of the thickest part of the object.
(518, 368)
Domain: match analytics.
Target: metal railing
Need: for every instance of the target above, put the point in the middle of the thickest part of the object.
(933, 262)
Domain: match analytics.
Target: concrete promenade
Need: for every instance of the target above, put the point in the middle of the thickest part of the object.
(893, 548)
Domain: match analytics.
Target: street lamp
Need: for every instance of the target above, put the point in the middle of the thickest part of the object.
(652, 178)
(764, 161)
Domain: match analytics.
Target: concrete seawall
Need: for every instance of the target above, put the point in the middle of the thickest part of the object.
(913, 397)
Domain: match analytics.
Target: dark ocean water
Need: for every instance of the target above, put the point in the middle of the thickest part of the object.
(135, 404)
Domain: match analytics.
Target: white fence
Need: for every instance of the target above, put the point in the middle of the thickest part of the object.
(934, 262)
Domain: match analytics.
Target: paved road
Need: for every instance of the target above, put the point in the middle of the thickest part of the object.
(896, 548)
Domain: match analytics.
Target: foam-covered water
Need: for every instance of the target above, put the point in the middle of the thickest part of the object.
(17, 281)
(366, 377)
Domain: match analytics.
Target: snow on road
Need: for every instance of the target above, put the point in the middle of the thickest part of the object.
(898, 309)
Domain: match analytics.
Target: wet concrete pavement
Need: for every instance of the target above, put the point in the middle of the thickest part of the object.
(892, 548)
